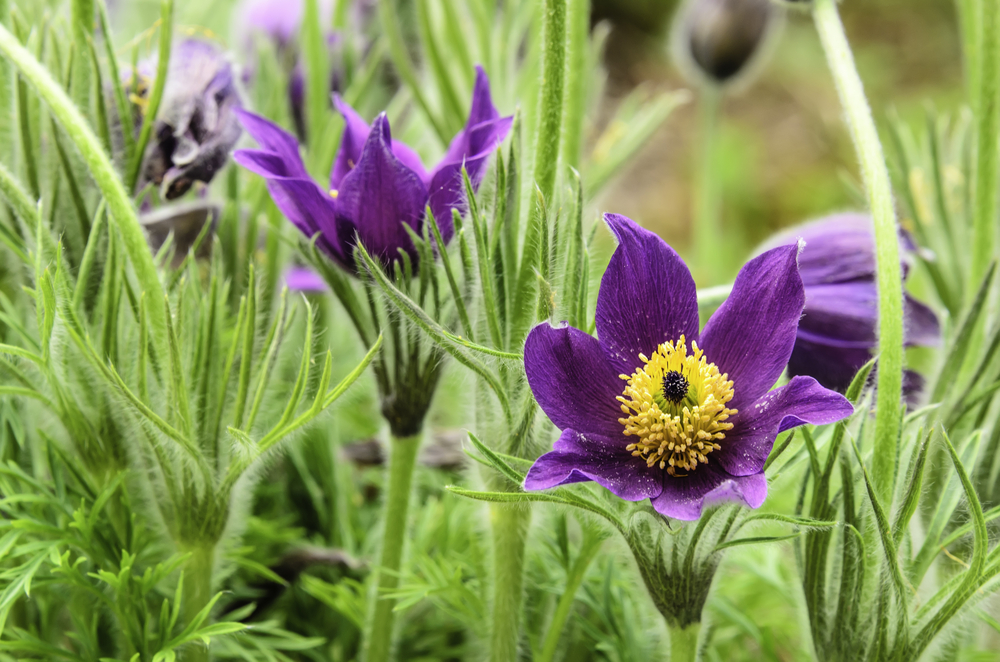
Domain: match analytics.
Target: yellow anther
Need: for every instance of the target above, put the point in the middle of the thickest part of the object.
(334, 193)
(674, 430)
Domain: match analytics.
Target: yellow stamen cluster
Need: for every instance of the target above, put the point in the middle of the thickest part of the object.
(677, 431)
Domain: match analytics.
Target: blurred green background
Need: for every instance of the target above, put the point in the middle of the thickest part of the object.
(783, 155)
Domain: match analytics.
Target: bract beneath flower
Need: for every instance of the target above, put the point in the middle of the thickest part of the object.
(695, 419)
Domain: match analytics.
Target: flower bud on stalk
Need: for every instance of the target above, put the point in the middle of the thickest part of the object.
(717, 41)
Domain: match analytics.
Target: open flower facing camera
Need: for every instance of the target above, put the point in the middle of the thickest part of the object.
(656, 409)
(377, 184)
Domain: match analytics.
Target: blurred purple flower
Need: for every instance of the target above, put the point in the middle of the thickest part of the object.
(839, 328)
(695, 420)
(196, 126)
(278, 20)
(377, 184)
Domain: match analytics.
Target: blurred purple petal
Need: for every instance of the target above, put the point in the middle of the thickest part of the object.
(304, 280)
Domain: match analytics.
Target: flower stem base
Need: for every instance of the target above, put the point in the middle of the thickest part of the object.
(684, 643)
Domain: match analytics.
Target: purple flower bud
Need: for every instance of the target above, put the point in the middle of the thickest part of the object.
(719, 39)
(838, 332)
(196, 126)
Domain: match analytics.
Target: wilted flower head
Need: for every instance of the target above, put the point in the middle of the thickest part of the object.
(377, 184)
(655, 409)
(196, 126)
(720, 38)
(839, 328)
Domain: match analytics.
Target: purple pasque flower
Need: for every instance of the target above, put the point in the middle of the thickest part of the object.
(653, 408)
(377, 184)
(278, 20)
(838, 332)
(196, 126)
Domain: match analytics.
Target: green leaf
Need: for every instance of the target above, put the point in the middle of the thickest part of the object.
(753, 541)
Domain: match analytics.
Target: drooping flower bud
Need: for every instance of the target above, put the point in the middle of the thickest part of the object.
(717, 40)
(196, 126)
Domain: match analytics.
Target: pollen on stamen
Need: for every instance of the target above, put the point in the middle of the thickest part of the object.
(334, 193)
(675, 404)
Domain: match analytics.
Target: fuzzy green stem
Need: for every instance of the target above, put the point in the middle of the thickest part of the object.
(684, 643)
(197, 591)
(578, 17)
(101, 169)
(510, 533)
(588, 550)
(969, 15)
(550, 108)
(988, 150)
(706, 218)
(316, 63)
(890, 285)
(402, 459)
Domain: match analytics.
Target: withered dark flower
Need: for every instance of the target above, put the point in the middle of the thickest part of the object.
(196, 126)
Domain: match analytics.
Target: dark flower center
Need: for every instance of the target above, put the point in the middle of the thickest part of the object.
(675, 386)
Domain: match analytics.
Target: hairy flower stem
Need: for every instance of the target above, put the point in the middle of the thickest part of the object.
(102, 170)
(196, 592)
(890, 284)
(402, 459)
(707, 230)
(988, 144)
(550, 108)
(684, 643)
(592, 542)
(578, 18)
(510, 533)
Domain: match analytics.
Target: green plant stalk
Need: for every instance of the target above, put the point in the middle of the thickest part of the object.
(510, 534)
(402, 459)
(890, 285)
(988, 148)
(684, 643)
(316, 63)
(156, 95)
(101, 169)
(591, 545)
(707, 230)
(197, 591)
(82, 12)
(578, 17)
(550, 108)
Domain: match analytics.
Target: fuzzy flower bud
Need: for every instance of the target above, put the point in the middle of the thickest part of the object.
(717, 40)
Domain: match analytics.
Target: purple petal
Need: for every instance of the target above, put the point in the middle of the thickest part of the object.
(573, 381)
(684, 497)
(577, 458)
(301, 279)
(272, 138)
(842, 313)
(379, 195)
(352, 142)
(446, 189)
(301, 200)
(647, 296)
(801, 401)
(750, 337)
